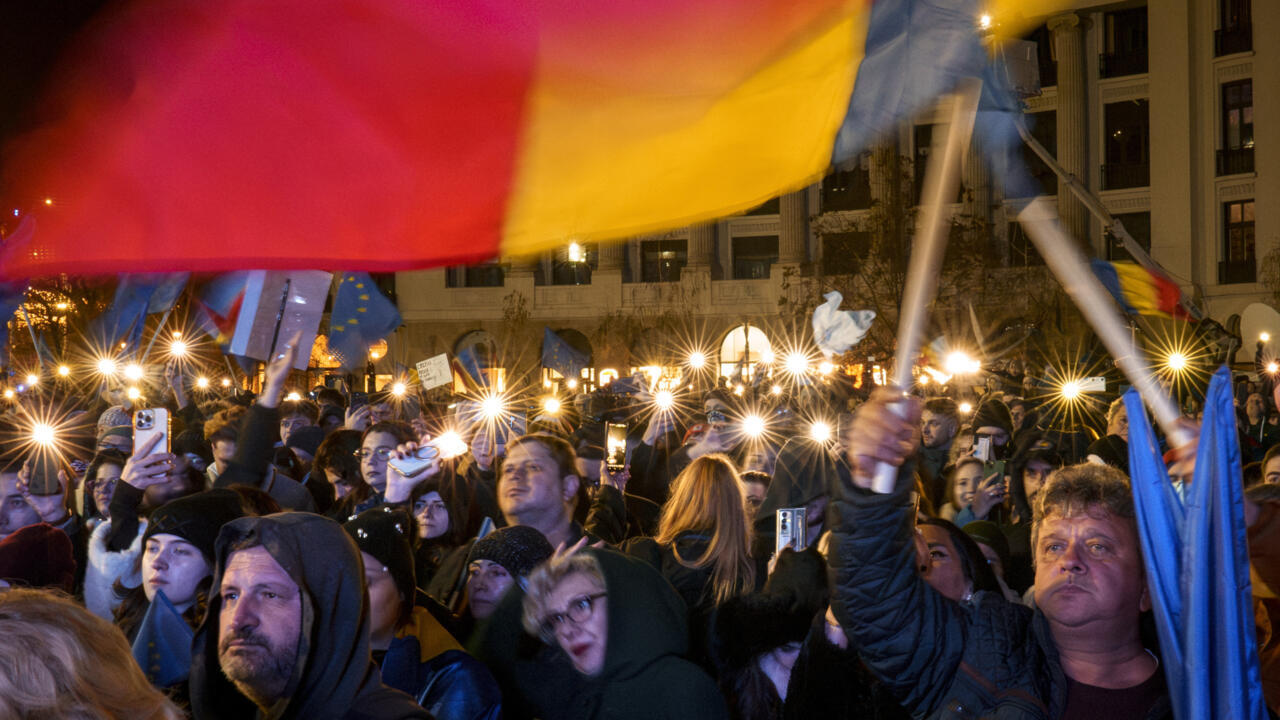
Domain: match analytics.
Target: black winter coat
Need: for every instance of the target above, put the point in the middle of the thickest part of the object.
(989, 659)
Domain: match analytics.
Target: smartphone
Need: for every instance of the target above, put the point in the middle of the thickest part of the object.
(44, 474)
(149, 422)
(421, 459)
(982, 449)
(790, 529)
(994, 467)
(615, 438)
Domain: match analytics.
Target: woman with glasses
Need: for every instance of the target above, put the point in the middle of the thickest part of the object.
(622, 629)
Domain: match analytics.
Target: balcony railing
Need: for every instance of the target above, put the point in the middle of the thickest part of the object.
(1125, 175)
(1233, 40)
(1233, 161)
(1117, 64)
(1235, 272)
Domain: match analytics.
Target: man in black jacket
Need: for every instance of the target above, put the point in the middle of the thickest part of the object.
(287, 630)
(1078, 655)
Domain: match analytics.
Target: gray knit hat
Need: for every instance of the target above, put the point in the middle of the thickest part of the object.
(114, 416)
(518, 549)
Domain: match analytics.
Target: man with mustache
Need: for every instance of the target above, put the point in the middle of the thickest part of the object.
(287, 630)
(1079, 654)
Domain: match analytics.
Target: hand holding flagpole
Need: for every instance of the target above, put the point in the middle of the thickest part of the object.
(940, 183)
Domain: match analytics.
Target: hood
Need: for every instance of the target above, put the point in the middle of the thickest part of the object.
(647, 619)
(805, 470)
(334, 665)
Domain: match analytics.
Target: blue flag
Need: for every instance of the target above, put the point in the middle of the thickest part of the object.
(467, 364)
(361, 317)
(1197, 562)
(162, 647)
(217, 305)
(915, 51)
(560, 355)
(136, 294)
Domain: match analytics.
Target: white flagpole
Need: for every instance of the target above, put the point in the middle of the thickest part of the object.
(940, 183)
(1068, 263)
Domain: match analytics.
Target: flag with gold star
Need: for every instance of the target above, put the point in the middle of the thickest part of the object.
(361, 316)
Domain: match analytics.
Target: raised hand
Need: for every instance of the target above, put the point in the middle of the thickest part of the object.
(144, 468)
(878, 434)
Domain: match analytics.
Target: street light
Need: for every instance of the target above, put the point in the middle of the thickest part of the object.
(1264, 336)
(697, 360)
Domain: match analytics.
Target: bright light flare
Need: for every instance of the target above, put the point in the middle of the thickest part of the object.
(1273, 367)
(178, 348)
(398, 389)
(202, 383)
(133, 393)
(226, 382)
(776, 389)
(293, 396)
(753, 426)
(1176, 362)
(576, 254)
(33, 379)
(9, 393)
(64, 371)
(984, 21)
(551, 406)
(571, 384)
(133, 371)
(492, 406)
(796, 363)
(965, 408)
(451, 444)
(826, 368)
(958, 362)
(697, 360)
(107, 366)
(820, 432)
(1070, 390)
(1264, 336)
(43, 434)
(664, 400)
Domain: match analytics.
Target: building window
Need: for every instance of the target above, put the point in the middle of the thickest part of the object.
(769, 207)
(1127, 145)
(1138, 225)
(1236, 155)
(1238, 264)
(844, 252)
(1044, 128)
(753, 256)
(662, 260)
(848, 189)
(1045, 60)
(1125, 43)
(1235, 28)
(573, 264)
(486, 275)
(922, 140)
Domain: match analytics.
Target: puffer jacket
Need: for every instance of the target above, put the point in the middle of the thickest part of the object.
(941, 659)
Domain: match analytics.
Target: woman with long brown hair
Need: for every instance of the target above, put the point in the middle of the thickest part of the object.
(703, 545)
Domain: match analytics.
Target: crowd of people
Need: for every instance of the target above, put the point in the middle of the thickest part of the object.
(322, 558)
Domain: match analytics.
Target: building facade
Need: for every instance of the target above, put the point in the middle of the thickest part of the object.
(1164, 110)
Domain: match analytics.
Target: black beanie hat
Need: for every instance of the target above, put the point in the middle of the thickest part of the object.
(306, 439)
(383, 532)
(989, 534)
(746, 626)
(196, 518)
(518, 549)
(993, 413)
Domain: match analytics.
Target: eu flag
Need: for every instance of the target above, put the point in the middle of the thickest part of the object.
(1197, 562)
(136, 295)
(560, 355)
(361, 317)
(162, 646)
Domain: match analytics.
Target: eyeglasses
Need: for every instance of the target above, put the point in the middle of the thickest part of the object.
(429, 507)
(578, 612)
(382, 453)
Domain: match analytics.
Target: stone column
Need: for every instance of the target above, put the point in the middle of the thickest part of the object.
(609, 255)
(1073, 126)
(977, 184)
(793, 222)
(702, 245)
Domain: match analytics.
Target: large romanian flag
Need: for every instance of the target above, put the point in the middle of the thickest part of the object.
(395, 134)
